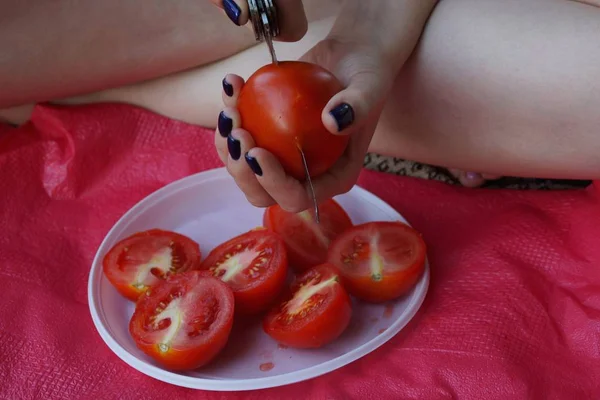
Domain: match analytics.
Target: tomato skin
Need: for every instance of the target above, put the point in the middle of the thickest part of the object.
(281, 106)
(208, 301)
(254, 295)
(316, 325)
(403, 242)
(307, 242)
(139, 246)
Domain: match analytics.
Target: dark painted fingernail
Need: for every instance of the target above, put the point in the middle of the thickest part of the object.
(344, 115)
(232, 10)
(235, 148)
(253, 164)
(225, 124)
(227, 87)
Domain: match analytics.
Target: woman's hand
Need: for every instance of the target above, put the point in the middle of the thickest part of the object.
(365, 49)
(291, 17)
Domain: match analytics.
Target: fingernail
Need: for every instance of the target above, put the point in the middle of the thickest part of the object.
(473, 176)
(344, 115)
(225, 124)
(227, 87)
(235, 148)
(232, 10)
(253, 164)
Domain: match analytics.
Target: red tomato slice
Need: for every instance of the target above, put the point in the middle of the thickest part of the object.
(314, 312)
(306, 241)
(254, 265)
(379, 261)
(145, 258)
(183, 322)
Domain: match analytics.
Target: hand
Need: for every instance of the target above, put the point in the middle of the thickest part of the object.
(366, 56)
(291, 17)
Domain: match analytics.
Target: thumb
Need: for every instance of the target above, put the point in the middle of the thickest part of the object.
(291, 17)
(367, 84)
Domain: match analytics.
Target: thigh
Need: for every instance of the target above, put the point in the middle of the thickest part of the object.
(508, 87)
(62, 48)
(173, 66)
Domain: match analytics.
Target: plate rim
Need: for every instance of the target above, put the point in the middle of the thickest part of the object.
(219, 385)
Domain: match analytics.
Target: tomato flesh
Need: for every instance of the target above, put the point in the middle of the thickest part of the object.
(306, 241)
(145, 258)
(254, 265)
(379, 261)
(314, 311)
(281, 106)
(183, 322)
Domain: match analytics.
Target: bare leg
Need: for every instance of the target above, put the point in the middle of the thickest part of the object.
(61, 48)
(507, 87)
(194, 96)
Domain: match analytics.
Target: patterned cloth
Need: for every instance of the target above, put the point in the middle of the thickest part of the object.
(399, 166)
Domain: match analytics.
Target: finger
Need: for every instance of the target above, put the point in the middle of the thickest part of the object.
(289, 193)
(232, 84)
(239, 143)
(366, 87)
(293, 195)
(229, 119)
(236, 10)
(342, 176)
(292, 20)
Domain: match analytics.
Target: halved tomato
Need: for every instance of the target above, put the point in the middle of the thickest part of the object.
(184, 321)
(254, 265)
(145, 258)
(306, 241)
(314, 312)
(379, 261)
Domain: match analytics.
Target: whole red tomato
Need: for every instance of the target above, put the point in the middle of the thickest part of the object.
(280, 106)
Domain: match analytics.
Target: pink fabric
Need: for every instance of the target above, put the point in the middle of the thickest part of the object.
(513, 310)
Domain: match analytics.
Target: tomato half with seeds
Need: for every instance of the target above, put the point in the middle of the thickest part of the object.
(314, 311)
(184, 322)
(379, 261)
(306, 241)
(145, 258)
(254, 265)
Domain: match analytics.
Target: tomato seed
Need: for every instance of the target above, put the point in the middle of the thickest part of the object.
(163, 324)
(163, 347)
(266, 366)
(156, 272)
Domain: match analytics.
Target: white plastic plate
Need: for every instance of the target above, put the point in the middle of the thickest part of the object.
(210, 209)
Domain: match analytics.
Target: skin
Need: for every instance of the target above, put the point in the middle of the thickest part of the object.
(496, 87)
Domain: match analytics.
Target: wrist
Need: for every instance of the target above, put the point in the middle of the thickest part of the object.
(389, 28)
